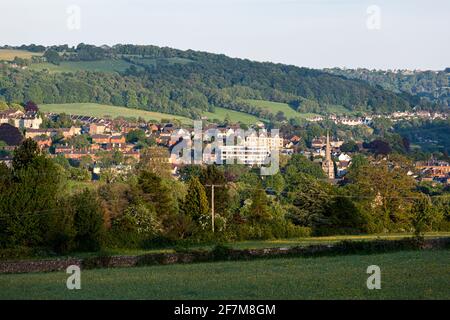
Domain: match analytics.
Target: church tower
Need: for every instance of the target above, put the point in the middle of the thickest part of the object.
(327, 164)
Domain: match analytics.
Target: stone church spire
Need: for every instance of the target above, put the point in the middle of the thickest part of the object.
(327, 164)
(328, 149)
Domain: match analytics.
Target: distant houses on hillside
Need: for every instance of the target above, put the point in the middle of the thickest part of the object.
(93, 138)
(21, 119)
(367, 120)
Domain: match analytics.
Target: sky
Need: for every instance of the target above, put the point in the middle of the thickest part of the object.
(375, 34)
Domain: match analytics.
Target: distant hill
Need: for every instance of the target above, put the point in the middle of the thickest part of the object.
(430, 85)
(189, 83)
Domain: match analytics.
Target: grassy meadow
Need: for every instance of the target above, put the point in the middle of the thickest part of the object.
(99, 110)
(404, 275)
(107, 65)
(112, 65)
(154, 62)
(10, 54)
(275, 107)
(235, 116)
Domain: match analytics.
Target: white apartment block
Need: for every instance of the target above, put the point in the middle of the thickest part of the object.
(255, 150)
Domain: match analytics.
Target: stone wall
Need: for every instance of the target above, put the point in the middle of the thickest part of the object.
(195, 256)
(38, 265)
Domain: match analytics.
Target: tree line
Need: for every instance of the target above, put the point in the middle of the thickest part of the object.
(433, 86)
(148, 208)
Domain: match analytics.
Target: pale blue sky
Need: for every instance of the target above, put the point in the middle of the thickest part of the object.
(413, 34)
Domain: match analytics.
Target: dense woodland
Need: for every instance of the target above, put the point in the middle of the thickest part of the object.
(188, 82)
(430, 136)
(431, 85)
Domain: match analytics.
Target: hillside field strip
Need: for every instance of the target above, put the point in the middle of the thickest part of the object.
(100, 110)
(10, 54)
(275, 107)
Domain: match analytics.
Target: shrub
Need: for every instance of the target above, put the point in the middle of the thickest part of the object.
(293, 231)
(88, 221)
(332, 231)
(158, 242)
(422, 215)
(61, 233)
(253, 232)
(443, 226)
(62, 242)
(276, 229)
(119, 238)
(137, 224)
(15, 253)
(24, 252)
(221, 252)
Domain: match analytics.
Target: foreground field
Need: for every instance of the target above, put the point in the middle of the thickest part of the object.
(404, 275)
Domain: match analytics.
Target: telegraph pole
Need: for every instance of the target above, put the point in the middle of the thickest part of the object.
(212, 202)
(212, 207)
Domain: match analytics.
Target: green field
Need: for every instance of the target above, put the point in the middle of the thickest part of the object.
(110, 65)
(73, 66)
(155, 62)
(275, 107)
(338, 110)
(404, 275)
(235, 116)
(99, 110)
(10, 54)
